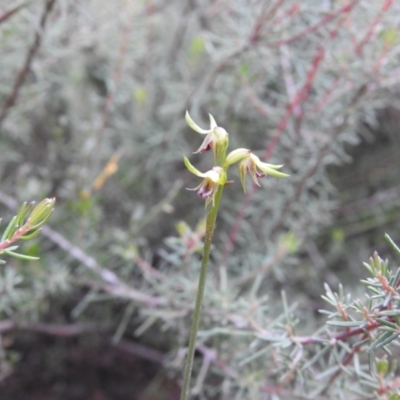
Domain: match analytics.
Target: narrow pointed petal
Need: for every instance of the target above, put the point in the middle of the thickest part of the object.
(192, 169)
(267, 168)
(272, 166)
(196, 188)
(276, 174)
(253, 174)
(242, 174)
(213, 124)
(206, 145)
(193, 124)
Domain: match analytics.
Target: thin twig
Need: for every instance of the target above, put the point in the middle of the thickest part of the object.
(372, 28)
(72, 330)
(5, 16)
(12, 98)
(322, 152)
(300, 96)
(322, 23)
(140, 350)
(61, 330)
(111, 283)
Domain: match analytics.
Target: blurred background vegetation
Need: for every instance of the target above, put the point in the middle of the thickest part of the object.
(92, 101)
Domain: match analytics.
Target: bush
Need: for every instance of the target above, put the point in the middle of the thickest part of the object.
(92, 100)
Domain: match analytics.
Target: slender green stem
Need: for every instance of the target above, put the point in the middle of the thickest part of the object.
(210, 225)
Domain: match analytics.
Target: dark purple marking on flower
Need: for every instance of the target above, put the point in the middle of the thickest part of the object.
(206, 148)
(206, 189)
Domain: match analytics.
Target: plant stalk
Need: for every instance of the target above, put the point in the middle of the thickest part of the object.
(210, 225)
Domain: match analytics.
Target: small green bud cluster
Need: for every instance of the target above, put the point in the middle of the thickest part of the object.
(217, 140)
(26, 225)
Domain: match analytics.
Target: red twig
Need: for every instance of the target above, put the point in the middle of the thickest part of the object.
(300, 96)
(288, 78)
(390, 386)
(386, 5)
(334, 32)
(275, 8)
(323, 22)
(12, 98)
(341, 336)
(5, 16)
(345, 362)
(287, 14)
(387, 45)
(257, 31)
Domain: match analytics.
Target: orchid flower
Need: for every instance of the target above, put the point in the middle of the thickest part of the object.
(211, 182)
(250, 163)
(216, 137)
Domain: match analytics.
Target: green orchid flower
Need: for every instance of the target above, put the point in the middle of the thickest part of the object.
(216, 139)
(211, 181)
(250, 163)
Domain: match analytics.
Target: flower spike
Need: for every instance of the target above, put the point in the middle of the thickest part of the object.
(211, 189)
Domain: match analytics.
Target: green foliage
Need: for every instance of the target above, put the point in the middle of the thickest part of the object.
(25, 225)
(92, 99)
